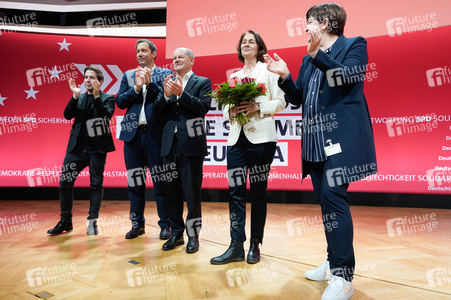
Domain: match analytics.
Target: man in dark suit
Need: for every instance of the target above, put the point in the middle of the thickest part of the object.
(90, 140)
(337, 140)
(141, 131)
(185, 102)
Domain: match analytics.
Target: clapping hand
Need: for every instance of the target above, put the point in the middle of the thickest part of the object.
(76, 90)
(276, 65)
(173, 86)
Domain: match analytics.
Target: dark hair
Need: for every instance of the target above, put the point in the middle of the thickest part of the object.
(99, 73)
(151, 45)
(333, 12)
(260, 43)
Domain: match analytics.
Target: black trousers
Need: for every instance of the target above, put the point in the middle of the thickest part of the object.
(143, 151)
(73, 164)
(337, 220)
(245, 159)
(183, 181)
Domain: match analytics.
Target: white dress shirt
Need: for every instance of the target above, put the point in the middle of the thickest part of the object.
(142, 115)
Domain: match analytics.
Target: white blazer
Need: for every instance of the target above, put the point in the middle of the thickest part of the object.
(261, 128)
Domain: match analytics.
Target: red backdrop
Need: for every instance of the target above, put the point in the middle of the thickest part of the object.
(409, 77)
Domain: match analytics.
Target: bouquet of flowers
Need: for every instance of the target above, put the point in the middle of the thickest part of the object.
(236, 90)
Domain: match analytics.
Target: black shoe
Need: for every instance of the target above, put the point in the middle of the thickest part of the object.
(174, 241)
(165, 233)
(234, 253)
(60, 228)
(193, 245)
(135, 232)
(253, 256)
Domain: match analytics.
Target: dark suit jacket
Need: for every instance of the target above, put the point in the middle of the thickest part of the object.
(128, 99)
(96, 117)
(188, 115)
(354, 131)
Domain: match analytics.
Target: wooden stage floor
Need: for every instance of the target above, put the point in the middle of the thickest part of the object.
(401, 253)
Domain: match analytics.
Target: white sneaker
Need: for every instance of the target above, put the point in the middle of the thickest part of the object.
(92, 227)
(338, 289)
(321, 273)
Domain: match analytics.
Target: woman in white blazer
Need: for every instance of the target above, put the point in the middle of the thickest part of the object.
(250, 150)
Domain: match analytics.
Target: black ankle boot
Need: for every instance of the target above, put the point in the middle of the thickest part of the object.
(253, 256)
(234, 253)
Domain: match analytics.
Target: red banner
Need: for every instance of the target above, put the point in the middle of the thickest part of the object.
(407, 86)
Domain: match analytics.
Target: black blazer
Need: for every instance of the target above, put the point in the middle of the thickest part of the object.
(96, 117)
(347, 101)
(128, 99)
(187, 114)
